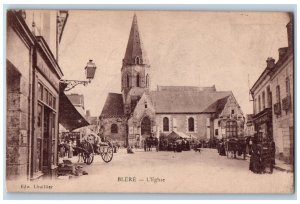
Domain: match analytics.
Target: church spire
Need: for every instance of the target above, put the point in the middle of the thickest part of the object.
(135, 53)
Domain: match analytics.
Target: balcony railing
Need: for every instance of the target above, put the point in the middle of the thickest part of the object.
(286, 103)
(277, 108)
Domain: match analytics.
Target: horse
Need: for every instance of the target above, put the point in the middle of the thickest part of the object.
(150, 142)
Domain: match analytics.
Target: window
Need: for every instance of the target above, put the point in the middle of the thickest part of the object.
(127, 80)
(259, 104)
(46, 96)
(216, 132)
(232, 112)
(50, 100)
(114, 128)
(263, 100)
(137, 60)
(278, 94)
(39, 116)
(231, 128)
(255, 106)
(147, 80)
(138, 80)
(40, 91)
(287, 86)
(54, 103)
(166, 124)
(146, 105)
(269, 97)
(191, 124)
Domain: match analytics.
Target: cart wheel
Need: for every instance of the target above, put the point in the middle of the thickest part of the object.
(88, 158)
(107, 154)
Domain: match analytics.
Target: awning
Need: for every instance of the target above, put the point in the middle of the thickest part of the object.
(178, 135)
(69, 117)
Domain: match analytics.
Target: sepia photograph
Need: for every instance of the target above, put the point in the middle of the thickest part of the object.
(149, 101)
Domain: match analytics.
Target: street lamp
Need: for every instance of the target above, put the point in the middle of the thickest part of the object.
(90, 70)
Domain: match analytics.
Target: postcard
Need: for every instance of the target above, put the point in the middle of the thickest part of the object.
(149, 101)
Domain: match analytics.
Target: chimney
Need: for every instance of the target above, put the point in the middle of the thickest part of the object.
(290, 31)
(270, 63)
(282, 51)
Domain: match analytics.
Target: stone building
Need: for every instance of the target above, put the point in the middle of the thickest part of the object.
(273, 100)
(36, 103)
(33, 91)
(138, 112)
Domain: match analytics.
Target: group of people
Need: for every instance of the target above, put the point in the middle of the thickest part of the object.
(66, 148)
(181, 145)
(261, 151)
(262, 158)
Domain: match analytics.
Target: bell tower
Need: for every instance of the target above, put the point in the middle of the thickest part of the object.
(135, 71)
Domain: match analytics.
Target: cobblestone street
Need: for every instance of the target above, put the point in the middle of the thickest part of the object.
(186, 172)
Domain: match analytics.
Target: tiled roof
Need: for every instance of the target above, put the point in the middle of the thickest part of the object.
(187, 101)
(113, 105)
(185, 88)
(217, 106)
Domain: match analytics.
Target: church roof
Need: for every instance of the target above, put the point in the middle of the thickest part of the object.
(113, 106)
(188, 101)
(135, 46)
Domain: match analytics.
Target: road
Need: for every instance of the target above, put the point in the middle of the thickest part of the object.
(186, 172)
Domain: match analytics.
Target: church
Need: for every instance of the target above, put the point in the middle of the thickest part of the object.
(138, 112)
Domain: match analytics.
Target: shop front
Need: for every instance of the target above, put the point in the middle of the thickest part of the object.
(263, 124)
(46, 79)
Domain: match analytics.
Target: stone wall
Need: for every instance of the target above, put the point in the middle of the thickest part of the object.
(105, 129)
(181, 124)
(283, 124)
(17, 118)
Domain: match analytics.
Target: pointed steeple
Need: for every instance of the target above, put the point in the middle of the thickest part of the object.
(135, 53)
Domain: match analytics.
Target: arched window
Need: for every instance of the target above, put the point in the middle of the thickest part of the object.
(114, 128)
(166, 124)
(191, 124)
(147, 80)
(137, 60)
(127, 81)
(138, 80)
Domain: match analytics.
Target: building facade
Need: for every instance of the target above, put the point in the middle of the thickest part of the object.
(273, 101)
(33, 90)
(138, 112)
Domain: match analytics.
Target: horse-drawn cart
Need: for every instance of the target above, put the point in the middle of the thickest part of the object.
(235, 146)
(90, 147)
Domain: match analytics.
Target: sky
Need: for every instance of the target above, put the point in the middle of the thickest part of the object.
(184, 48)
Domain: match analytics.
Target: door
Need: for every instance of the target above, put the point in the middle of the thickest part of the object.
(146, 127)
(47, 139)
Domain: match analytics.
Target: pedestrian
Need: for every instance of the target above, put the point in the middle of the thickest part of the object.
(61, 149)
(66, 146)
(71, 149)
